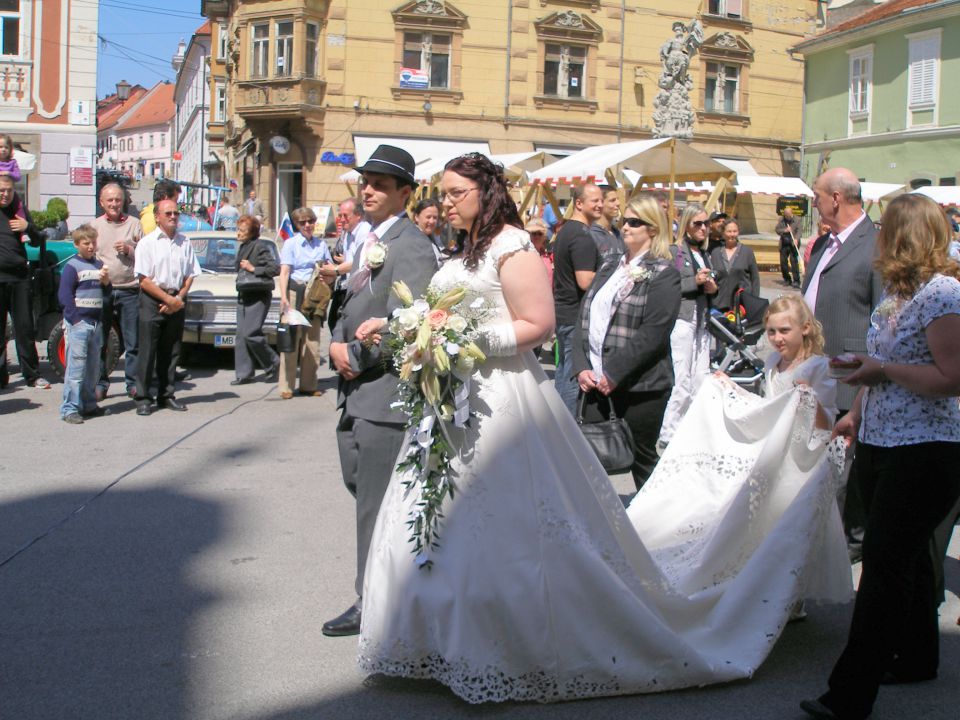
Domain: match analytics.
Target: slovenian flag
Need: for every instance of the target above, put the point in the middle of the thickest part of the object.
(286, 230)
(233, 185)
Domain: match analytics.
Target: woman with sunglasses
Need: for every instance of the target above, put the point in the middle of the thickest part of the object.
(298, 257)
(621, 348)
(690, 341)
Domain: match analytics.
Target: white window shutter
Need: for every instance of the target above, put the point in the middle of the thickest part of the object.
(735, 8)
(923, 71)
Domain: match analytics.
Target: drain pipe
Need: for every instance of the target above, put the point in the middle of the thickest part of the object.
(506, 79)
(623, 40)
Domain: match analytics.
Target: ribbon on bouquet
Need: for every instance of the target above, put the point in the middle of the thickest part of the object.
(461, 403)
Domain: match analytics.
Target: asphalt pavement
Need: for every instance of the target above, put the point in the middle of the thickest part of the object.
(179, 567)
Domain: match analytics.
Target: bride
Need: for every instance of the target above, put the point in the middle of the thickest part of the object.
(544, 587)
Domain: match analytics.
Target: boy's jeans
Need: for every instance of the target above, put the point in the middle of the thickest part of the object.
(84, 340)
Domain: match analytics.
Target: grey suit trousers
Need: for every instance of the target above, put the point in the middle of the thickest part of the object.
(368, 454)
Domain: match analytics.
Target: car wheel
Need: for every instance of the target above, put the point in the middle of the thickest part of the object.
(57, 349)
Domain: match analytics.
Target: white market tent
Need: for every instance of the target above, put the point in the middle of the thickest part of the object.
(877, 191)
(941, 194)
(661, 160)
(772, 185)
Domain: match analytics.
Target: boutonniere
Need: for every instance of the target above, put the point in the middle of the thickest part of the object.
(638, 273)
(376, 254)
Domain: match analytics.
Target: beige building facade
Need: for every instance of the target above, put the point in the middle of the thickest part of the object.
(312, 85)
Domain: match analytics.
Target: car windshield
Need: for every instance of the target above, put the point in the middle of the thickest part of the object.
(216, 254)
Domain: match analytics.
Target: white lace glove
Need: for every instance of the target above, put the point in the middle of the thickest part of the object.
(498, 340)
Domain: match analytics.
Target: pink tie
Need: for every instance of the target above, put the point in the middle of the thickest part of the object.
(814, 287)
(359, 278)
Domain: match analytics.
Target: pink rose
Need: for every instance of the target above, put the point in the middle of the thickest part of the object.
(437, 318)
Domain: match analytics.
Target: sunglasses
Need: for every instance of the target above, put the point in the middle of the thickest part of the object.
(635, 222)
(700, 223)
(171, 214)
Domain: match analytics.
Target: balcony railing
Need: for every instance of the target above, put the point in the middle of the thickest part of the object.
(15, 89)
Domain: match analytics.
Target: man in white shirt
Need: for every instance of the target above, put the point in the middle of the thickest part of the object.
(166, 265)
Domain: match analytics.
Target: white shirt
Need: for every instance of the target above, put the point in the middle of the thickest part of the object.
(601, 311)
(353, 241)
(167, 261)
(836, 242)
(380, 230)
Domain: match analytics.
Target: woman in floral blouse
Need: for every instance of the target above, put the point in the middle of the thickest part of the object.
(622, 343)
(907, 421)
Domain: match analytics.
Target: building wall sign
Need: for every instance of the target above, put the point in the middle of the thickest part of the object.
(414, 78)
(81, 166)
(342, 159)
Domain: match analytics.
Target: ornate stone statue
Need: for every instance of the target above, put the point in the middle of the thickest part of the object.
(672, 112)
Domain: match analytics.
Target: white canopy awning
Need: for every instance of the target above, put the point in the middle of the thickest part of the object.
(771, 185)
(427, 152)
(660, 160)
(25, 160)
(941, 194)
(876, 191)
(741, 167)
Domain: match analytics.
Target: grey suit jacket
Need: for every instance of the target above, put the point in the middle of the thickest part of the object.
(849, 290)
(410, 257)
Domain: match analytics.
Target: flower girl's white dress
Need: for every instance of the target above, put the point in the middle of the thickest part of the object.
(545, 588)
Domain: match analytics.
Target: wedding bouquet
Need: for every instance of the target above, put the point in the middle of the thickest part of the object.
(432, 342)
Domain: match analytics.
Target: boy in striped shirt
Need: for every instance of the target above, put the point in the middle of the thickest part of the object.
(84, 282)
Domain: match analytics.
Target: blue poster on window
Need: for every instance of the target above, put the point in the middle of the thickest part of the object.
(414, 78)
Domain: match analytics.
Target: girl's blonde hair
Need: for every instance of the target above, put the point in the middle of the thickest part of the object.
(689, 213)
(798, 308)
(649, 210)
(912, 244)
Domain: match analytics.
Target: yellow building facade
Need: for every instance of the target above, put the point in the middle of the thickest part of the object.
(312, 84)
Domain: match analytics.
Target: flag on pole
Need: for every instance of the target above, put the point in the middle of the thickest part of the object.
(233, 185)
(286, 230)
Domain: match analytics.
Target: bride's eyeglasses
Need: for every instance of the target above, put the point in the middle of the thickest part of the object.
(456, 195)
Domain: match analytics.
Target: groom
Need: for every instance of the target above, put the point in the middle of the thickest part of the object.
(370, 433)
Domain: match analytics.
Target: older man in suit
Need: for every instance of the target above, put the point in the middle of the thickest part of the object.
(370, 432)
(842, 288)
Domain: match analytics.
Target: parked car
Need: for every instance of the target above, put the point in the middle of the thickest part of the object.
(211, 312)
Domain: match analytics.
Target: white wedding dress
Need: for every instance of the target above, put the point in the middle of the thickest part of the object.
(545, 588)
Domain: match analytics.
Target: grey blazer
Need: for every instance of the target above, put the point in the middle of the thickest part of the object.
(849, 290)
(695, 301)
(410, 257)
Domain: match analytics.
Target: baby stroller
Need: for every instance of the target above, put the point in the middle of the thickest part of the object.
(737, 331)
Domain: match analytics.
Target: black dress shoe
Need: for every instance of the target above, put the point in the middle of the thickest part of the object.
(346, 624)
(172, 404)
(97, 412)
(892, 677)
(816, 709)
(273, 373)
(143, 408)
(241, 381)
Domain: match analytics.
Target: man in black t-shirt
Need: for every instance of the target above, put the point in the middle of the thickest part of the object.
(575, 261)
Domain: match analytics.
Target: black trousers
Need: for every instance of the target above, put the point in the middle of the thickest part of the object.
(16, 297)
(251, 349)
(908, 491)
(789, 262)
(644, 414)
(159, 351)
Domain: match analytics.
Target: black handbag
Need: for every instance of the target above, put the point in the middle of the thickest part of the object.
(286, 337)
(250, 282)
(611, 439)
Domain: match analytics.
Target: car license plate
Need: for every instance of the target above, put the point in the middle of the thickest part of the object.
(224, 340)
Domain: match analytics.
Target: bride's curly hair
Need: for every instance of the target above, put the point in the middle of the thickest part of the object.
(497, 208)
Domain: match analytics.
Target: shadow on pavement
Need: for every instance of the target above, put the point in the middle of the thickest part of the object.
(95, 616)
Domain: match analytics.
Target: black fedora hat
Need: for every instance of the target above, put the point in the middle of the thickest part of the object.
(390, 160)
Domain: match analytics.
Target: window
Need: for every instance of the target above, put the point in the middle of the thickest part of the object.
(10, 27)
(726, 8)
(310, 50)
(139, 142)
(260, 57)
(861, 79)
(429, 52)
(564, 70)
(163, 140)
(222, 46)
(219, 103)
(151, 139)
(284, 48)
(722, 89)
(924, 59)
